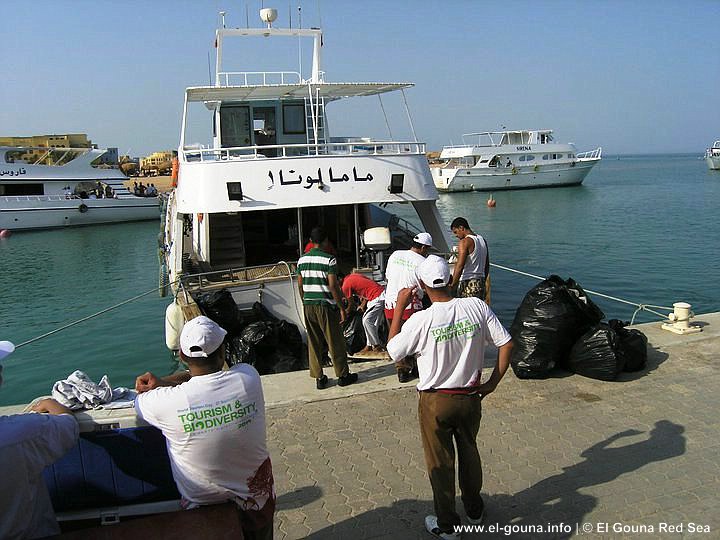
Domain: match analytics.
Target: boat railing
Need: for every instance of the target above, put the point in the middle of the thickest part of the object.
(592, 154)
(261, 78)
(246, 275)
(275, 151)
(23, 198)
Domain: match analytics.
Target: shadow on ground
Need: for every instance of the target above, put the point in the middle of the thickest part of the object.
(554, 500)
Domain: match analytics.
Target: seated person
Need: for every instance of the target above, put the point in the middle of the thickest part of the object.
(29, 443)
(214, 423)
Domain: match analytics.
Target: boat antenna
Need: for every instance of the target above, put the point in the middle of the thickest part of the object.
(319, 14)
(300, 41)
(209, 71)
(290, 14)
(247, 17)
(222, 18)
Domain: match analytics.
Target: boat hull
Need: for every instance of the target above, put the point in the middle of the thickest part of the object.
(482, 179)
(713, 163)
(28, 213)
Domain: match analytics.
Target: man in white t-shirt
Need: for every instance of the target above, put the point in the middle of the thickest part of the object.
(449, 338)
(214, 424)
(400, 274)
(28, 444)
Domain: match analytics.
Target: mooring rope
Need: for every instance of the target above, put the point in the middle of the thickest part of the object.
(88, 317)
(639, 307)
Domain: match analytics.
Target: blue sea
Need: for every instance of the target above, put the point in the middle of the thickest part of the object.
(641, 228)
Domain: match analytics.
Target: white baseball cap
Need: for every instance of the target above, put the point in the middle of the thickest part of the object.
(200, 337)
(6, 348)
(434, 272)
(423, 238)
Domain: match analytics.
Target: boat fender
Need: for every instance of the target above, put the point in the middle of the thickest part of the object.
(5, 233)
(536, 168)
(175, 171)
(83, 208)
(514, 170)
(174, 322)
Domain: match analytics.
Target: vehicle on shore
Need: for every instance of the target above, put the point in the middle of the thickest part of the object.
(499, 160)
(42, 188)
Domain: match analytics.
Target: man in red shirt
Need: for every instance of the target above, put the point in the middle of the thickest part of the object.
(372, 297)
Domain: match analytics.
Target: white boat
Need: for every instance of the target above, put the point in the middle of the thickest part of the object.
(495, 160)
(245, 203)
(712, 156)
(42, 188)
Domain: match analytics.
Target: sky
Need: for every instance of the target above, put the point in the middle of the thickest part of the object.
(631, 76)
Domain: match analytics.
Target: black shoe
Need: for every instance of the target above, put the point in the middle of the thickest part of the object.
(347, 379)
(404, 376)
(321, 382)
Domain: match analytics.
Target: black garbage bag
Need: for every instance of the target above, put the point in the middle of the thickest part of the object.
(220, 307)
(354, 333)
(289, 336)
(598, 354)
(547, 323)
(250, 339)
(633, 344)
(271, 347)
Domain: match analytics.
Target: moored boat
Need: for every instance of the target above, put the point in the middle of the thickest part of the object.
(246, 202)
(712, 156)
(497, 160)
(43, 188)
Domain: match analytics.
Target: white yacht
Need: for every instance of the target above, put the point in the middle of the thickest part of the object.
(712, 156)
(245, 203)
(495, 160)
(42, 188)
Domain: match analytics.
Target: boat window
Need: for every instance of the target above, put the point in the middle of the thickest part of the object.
(529, 158)
(546, 157)
(21, 189)
(264, 129)
(234, 126)
(483, 161)
(294, 119)
(522, 158)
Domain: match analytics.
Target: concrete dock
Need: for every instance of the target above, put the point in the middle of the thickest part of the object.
(634, 458)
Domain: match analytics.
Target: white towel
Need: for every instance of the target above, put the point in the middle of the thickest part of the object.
(79, 392)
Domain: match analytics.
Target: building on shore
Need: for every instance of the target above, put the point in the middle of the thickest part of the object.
(156, 163)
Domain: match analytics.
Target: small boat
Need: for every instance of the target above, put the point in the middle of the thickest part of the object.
(712, 156)
(42, 188)
(495, 160)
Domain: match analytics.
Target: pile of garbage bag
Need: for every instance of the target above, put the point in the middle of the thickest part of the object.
(255, 336)
(558, 325)
(551, 317)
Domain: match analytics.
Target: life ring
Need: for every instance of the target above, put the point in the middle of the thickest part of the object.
(514, 170)
(82, 208)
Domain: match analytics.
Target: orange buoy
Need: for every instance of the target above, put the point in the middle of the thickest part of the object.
(491, 202)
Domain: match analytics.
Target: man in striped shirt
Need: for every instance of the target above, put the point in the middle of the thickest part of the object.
(324, 311)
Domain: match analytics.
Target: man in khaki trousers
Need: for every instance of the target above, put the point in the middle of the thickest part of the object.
(324, 312)
(449, 338)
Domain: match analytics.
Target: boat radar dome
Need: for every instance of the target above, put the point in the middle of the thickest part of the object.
(268, 15)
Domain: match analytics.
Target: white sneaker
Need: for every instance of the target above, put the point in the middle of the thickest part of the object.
(476, 521)
(432, 527)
